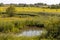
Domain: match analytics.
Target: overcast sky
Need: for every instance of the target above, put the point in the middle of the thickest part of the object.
(30, 1)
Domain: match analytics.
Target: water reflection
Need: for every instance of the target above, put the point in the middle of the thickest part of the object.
(31, 33)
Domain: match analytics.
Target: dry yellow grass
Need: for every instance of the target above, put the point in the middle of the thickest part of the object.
(31, 9)
(15, 19)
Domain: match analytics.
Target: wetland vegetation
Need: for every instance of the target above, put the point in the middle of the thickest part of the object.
(29, 23)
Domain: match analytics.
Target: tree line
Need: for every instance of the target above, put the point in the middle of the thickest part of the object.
(42, 5)
(23, 5)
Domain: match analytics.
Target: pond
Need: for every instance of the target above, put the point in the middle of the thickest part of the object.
(30, 33)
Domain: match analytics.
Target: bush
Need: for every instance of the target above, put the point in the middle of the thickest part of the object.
(10, 11)
(53, 30)
(34, 23)
(18, 24)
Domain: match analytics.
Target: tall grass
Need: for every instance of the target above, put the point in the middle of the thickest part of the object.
(31, 9)
(16, 24)
(13, 37)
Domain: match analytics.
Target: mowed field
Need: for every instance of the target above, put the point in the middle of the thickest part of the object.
(32, 9)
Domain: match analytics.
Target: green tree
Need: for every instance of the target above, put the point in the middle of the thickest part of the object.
(10, 11)
(1, 4)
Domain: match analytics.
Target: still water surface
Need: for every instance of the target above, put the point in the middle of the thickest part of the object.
(31, 33)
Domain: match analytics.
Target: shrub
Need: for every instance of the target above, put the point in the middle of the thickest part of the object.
(34, 23)
(18, 24)
(10, 11)
(53, 30)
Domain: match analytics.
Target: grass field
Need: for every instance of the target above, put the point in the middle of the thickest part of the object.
(32, 9)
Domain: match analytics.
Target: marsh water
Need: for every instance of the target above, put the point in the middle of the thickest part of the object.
(30, 33)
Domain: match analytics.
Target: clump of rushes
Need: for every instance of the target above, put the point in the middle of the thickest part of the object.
(7, 27)
(34, 23)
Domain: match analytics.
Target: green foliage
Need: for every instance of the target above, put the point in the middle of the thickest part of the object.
(33, 23)
(18, 24)
(8, 27)
(10, 11)
(54, 7)
(49, 23)
(53, 28)
(12, 37)
(1, 4)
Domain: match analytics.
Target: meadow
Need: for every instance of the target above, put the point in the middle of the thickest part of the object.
(32, 9)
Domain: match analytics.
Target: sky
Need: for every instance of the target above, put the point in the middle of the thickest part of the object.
(30, 1)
